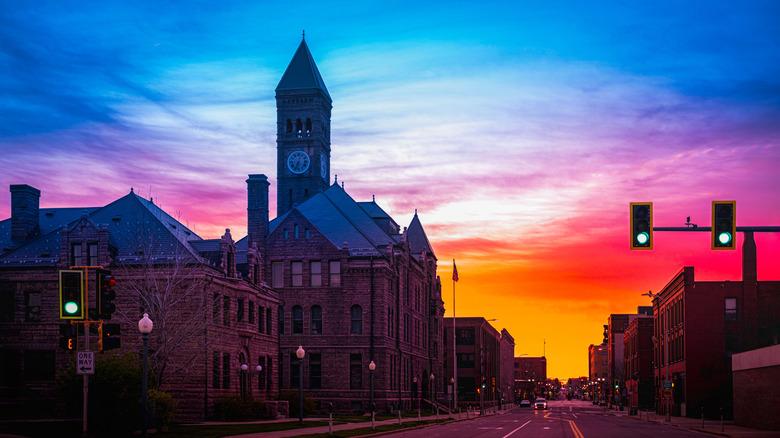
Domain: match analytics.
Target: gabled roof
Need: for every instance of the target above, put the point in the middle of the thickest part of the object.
(132, 222)
(302, 73)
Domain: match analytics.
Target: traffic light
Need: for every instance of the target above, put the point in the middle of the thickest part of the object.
(617, 384)
(483, 383)
(724, 224)
(105, 293)
(641, 225)
(109, 337)
(69, 339)
(72, 304)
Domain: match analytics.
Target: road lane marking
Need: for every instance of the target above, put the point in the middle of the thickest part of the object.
(577, 433)
(524, 424)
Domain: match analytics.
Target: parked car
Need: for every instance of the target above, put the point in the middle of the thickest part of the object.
(525, 404)
(540, 403)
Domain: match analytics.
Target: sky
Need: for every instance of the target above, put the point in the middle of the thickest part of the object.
(519, 131)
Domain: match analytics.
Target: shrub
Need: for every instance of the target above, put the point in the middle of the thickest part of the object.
(292, 398)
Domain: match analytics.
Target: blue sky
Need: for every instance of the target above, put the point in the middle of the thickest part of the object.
(508, 125)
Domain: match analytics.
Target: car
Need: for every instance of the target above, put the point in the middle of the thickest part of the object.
(525, 404)
(540, 403)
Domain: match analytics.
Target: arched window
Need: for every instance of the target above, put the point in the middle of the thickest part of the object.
(357, 320)
(289, 126)
(316, 320)
(308, 125)
(298, 126)
(297, 320)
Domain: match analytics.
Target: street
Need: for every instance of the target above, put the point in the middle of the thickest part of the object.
(563, 419)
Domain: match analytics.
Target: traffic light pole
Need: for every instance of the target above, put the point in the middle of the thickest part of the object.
(708, 229)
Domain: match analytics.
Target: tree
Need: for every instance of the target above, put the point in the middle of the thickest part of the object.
(159, 269)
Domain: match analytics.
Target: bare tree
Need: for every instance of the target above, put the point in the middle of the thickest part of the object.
(160, 270)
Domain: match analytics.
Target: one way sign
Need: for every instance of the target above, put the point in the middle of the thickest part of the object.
(85, 362)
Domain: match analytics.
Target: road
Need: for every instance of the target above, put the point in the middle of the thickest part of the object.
(563, 419)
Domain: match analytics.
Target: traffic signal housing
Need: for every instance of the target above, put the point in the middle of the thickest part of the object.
(72, 305)
(641, 225)
(105, 293)
(109, 337)
(69, 339)
(724, 225)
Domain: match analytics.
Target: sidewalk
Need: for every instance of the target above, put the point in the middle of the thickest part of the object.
(710, 426)
(343, 426)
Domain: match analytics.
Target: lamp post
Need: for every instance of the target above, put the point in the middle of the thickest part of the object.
(433, 391)
(414, 390)
(650, 294)
(145, 327)
(299, 354)
(242, 378)
(371, 368)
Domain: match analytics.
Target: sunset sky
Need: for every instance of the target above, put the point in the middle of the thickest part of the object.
(520, 131)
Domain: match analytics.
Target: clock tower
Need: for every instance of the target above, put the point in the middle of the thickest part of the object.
(302, 132)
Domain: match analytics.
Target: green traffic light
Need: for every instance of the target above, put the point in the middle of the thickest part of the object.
(724, 238)
(642, 238)
(71, 307)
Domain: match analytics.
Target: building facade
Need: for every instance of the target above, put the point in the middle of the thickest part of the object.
(598, 371)
(638, 349)
(478, 358)
(208, 319)
(355, 288)
(530, 377)
(702, 324)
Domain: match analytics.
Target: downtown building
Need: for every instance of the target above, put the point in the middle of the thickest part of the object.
(530, 375)
(355, 288)
(703, 324)
(598, 371)
(482, 355)
(209, 320)
(638, 353)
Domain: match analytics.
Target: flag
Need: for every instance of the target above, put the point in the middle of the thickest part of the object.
(454, 271)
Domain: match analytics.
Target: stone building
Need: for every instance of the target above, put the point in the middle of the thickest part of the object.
(208, 319)
(355, 287)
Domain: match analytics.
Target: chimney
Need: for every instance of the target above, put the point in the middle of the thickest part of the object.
(257, 210)
(24, 211)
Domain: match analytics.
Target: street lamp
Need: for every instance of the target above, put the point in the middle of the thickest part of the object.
(145, 327)
(666, 345)
(299, 354)
(414, 391)
(371, 368)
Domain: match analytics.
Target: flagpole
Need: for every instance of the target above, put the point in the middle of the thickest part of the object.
(454, 351)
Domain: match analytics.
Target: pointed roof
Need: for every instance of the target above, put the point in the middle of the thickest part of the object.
(418, 240)
(302, 73)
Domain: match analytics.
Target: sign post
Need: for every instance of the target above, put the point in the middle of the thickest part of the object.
(85, 362)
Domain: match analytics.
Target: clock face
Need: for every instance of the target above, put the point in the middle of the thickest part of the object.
(298, 162)
(323, 166)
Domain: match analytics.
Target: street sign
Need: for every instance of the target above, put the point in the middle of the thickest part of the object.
(85, 362)
(667, 385)
(667, 393)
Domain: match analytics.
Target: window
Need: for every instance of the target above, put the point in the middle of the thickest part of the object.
(356, 313)
(316, 320)
(297, 320)
(268, 322)
(251, 312)
(355, 371)
(33, 311)
(277, 274)
(334, 272)
(297, 274)
(216, 310)
(39, 365)
(465, 360)
(731, 309)
(315, 269)
(226, 371)
(295, 369)
(93, 254)
(407, 328)
(240, 312)
(215, 370)
(75, 252)
(281, 321)
(226, 311)
(7, 302)
(295, 230)
(289, 126)
(464, 336)
(261, 320)
(315, 371)
(261, 376)
(268, 373)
